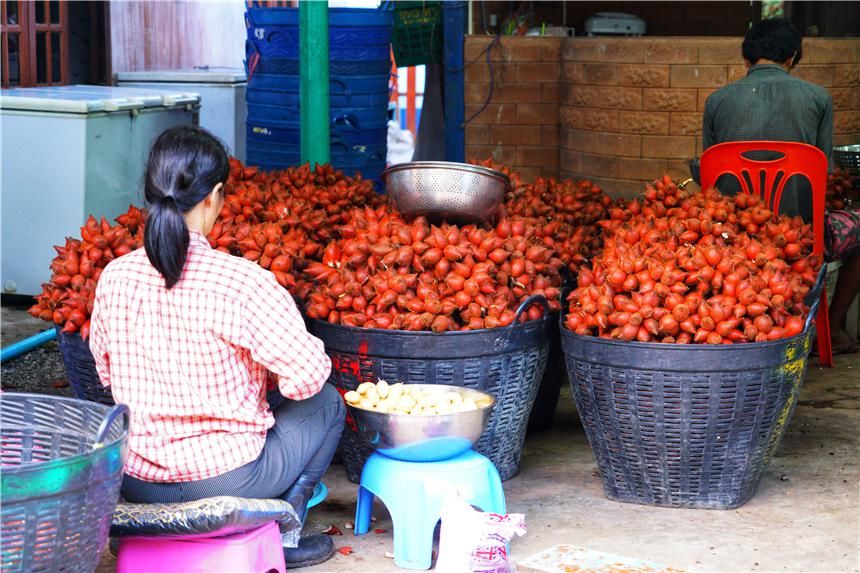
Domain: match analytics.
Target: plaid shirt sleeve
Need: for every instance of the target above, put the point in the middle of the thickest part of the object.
(275, 334)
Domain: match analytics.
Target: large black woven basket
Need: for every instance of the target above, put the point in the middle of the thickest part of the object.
(684, 425)
(81, 369)
(506, 362)
(554, 376)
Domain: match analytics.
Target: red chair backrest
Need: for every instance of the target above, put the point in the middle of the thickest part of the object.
(797, 159)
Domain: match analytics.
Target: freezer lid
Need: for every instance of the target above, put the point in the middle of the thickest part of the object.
(196, 75)
(85, 99)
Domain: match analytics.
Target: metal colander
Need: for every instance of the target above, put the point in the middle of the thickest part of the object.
(457, 191)
(848, 157)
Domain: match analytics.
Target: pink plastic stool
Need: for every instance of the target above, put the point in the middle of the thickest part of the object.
(255, 551)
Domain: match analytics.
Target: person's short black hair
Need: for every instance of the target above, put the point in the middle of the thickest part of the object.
(775, 39)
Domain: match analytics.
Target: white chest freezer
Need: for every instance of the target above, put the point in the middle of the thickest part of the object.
(68, 152)
(223, 108)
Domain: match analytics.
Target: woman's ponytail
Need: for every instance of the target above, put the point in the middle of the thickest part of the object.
(184, 165)
(165, 238)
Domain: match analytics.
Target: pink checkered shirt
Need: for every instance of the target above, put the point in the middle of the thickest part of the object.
(192, 362)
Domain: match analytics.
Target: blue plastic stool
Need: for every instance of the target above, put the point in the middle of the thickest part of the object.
(414, 492)
(320, 493)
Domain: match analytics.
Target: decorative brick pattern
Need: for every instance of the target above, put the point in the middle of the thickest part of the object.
(621, 111)
(846, 75)
(821, 75)
(612, 97)
(645, 76)
(698, 76)
(665, 99)
(846, 122)
(643, 122)
(671, 52)
(844, 98)
(683, 123)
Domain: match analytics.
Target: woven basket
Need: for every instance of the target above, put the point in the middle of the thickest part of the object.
(684, 425)
(81, 369)
(62, 468)
(554, 377)
(505, 362)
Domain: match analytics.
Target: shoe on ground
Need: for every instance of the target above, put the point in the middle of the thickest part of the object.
(312, 549)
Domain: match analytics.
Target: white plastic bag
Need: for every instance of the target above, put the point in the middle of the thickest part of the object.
(475, 542)
(401, 144)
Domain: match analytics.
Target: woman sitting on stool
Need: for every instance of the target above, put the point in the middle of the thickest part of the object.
(187, 336)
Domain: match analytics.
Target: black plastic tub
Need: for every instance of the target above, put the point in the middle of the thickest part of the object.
(506, 362)
(684, 425)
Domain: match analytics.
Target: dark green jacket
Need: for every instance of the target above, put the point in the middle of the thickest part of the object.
(770, 104)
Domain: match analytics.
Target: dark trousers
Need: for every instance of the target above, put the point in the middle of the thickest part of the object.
(302, 441)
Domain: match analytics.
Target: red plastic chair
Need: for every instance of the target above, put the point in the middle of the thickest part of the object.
(797, 159)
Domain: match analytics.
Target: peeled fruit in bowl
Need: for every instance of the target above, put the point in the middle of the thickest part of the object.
(404, 399)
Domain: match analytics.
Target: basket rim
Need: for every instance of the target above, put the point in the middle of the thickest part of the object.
(682, 347)
(429, 333)
(434, 346)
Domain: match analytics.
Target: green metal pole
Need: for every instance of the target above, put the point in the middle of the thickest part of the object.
(313, 81)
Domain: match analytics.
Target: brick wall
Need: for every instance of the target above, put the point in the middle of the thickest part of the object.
(520, 124)
(622, 111)
(631, 108)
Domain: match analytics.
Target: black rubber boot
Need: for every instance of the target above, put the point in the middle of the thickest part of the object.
(300, 493)
(312, 549)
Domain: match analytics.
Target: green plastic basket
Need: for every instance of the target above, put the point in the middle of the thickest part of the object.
(417, 33)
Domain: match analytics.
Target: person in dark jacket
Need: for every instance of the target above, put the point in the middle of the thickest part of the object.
(770, 104)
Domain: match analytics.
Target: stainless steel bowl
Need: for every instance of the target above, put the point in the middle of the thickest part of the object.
(424, 438)
(455, 191)
(847, 157)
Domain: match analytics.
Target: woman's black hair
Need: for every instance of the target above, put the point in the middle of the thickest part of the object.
(775, 39)
(184, 165)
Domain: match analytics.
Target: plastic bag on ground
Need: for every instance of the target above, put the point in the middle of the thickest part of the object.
(473, 541)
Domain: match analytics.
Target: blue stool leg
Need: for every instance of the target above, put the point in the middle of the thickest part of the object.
(494, 494)
(363, 511)
(414, 521)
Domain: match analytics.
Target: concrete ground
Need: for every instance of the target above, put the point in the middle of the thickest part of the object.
(804, 517)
